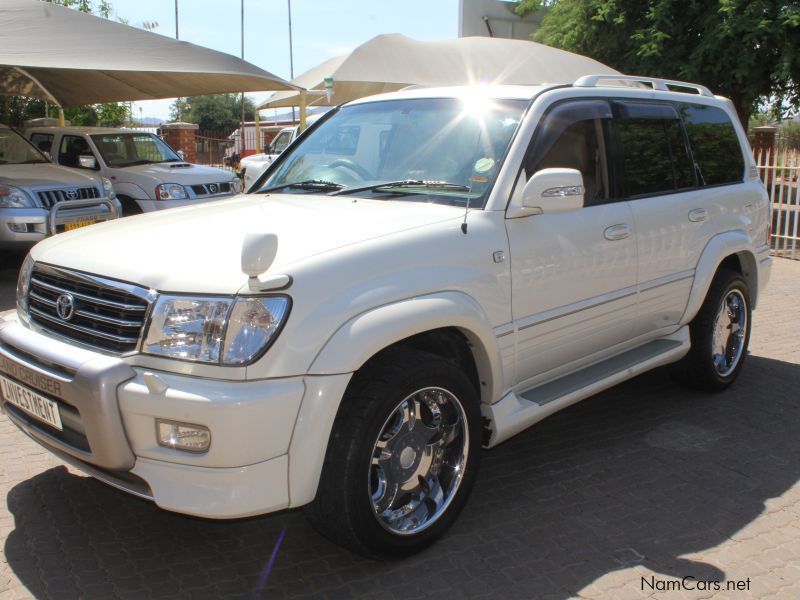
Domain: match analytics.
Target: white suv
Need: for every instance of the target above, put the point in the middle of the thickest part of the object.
(424, 273)
(38, 198)
(147, 174)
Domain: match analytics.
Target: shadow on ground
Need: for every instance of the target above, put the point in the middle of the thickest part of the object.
(643, 473)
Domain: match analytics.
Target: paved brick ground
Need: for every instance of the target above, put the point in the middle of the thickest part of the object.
(644, 481)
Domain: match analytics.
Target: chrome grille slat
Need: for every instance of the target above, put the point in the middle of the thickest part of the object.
(50, 197)
(103, 301)
(107, 315)
(70, 325)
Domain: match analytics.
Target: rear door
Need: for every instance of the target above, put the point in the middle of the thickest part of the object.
(573, 273)
(673, 214)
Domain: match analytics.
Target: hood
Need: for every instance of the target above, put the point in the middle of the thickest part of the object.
(197, 249)
(178, 172)
(44, 176)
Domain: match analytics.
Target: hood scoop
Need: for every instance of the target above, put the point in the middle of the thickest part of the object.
(179, 165)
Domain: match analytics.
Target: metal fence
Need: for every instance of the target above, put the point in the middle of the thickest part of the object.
(779, 171)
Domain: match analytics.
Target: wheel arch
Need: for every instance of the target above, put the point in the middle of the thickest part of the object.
(733, 250)
(435, 323)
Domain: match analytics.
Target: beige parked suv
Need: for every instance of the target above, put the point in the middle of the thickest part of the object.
(419, 276)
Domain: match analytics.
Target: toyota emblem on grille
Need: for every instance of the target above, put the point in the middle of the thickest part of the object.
(65, 306)
(213, 188)
(71, 194)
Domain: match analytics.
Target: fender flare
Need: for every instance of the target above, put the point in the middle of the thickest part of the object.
(131, 190)
(368, 333)
(718, 248)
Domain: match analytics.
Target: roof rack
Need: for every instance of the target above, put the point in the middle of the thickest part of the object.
(662, 85)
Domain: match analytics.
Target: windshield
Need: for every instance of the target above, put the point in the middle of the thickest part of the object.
(16, 150)
(443, 150)
(126, 149)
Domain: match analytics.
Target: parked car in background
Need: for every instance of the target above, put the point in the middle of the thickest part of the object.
(146, 173)
(424, 273)
(38, 198)
(251, 167)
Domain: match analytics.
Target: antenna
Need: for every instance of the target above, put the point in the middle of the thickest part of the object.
(466, 210)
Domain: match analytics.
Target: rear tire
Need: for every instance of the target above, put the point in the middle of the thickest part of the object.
(407, 438)
(720, 334)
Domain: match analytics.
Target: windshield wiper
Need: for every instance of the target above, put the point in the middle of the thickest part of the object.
(308, 184)
(405, 183)
(134, 163)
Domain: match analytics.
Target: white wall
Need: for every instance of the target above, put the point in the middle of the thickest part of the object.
(501, 17)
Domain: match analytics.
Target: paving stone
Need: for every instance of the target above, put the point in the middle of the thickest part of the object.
(646, 480)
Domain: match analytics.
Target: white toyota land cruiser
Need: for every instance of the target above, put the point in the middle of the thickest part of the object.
(424, 273)
(147, 174)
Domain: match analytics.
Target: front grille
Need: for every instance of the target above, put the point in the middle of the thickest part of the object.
(212, 189)
(50, 197)
(103, 316)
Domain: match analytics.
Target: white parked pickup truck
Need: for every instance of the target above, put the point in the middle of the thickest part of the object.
(424, 274)
(38, 198)
(147, 174)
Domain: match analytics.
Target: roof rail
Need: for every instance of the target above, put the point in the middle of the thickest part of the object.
(656, 83)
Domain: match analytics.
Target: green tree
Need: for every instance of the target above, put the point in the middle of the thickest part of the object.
(218, 111)
(743, 49)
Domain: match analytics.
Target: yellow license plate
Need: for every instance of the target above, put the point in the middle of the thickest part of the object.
(77, 225)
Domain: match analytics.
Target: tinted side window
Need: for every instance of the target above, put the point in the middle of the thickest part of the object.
(654, 153)
(573, 136)
(43, 141)
(715, 146)
(71, 149)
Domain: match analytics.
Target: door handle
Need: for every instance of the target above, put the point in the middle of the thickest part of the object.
(617, 232)
(698, 214)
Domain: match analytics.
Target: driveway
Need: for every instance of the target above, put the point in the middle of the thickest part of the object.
(622, 496)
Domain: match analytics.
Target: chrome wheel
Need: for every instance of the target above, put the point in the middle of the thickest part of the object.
(418, 461)
(730, 328)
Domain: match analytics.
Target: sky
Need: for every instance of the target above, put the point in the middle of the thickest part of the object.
(321, 29)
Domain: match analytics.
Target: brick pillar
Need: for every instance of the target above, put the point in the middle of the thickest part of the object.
(764, 144)
(181, 136)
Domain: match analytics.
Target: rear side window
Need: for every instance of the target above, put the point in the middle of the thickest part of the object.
(655, 157)
(715, 146)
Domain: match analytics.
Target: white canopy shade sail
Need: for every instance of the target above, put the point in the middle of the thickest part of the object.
(70, 58)
(393, 61)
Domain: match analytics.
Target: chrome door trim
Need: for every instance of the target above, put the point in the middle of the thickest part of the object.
(666, 280)
(576, 307)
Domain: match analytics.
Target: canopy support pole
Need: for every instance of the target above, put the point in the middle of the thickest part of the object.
(259, 145)
(303, 103)
(46, 92)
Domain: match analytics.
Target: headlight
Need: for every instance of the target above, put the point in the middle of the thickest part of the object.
(224, 331)
(108, 187)
(11, 197)
(23, 286)
(171, 191)
(236, 184)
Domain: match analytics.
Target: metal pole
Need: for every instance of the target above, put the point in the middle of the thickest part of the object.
(242, 126)
(291, 48)
(176, 20)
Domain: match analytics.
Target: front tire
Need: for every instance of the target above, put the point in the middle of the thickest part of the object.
(719, 334)
(402, 457)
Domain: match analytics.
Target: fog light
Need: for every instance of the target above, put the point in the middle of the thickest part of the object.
(18, 227)
(183, 436)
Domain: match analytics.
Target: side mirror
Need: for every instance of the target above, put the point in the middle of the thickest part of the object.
(554, 190)
(87, 161)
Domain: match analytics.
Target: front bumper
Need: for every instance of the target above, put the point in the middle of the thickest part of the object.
(108, 409)
(152, 205)
(39, 223)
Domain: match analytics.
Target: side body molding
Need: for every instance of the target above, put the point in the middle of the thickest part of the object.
(368, 333)
(718, 248)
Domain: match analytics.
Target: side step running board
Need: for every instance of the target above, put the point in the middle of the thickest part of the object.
(514, 413)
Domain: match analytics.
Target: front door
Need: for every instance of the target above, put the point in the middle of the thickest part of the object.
(573, 273)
